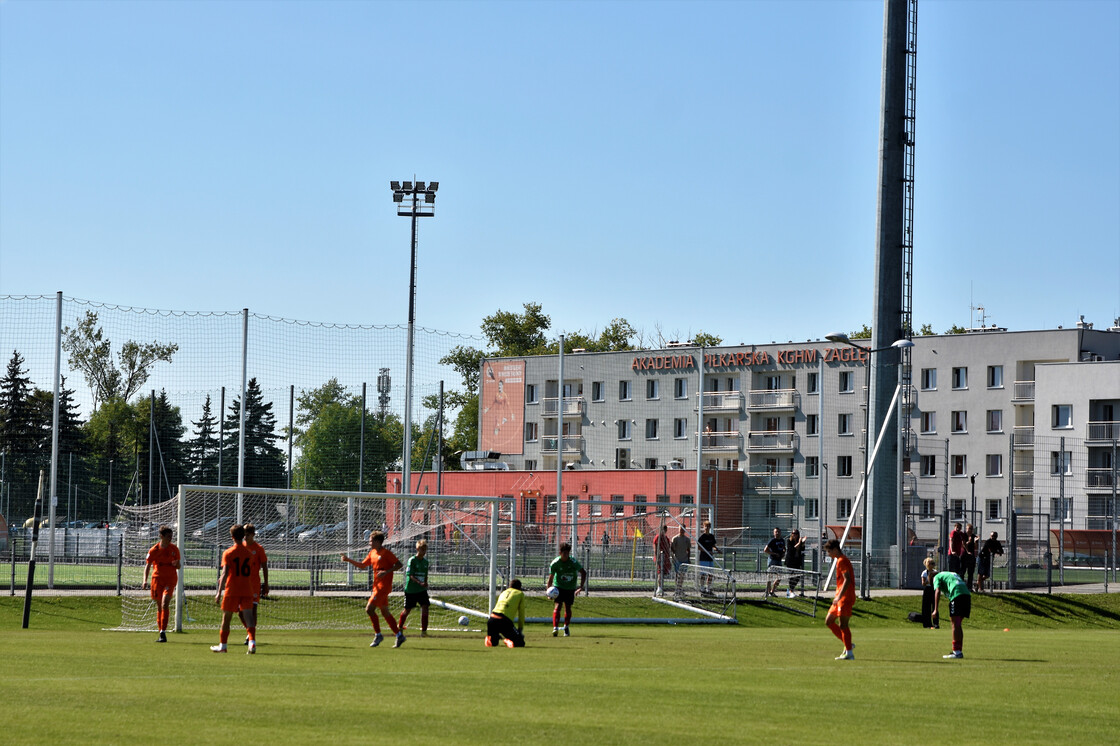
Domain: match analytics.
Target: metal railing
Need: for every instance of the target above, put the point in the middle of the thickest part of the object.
(1023, 391)
(573, 406)
(722, 401)
(781, 440)
(571, 444)
(722, 441)
(779, 399)
(1023, 436)
(1102, 431)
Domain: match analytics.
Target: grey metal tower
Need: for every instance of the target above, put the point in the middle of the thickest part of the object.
(892, 317)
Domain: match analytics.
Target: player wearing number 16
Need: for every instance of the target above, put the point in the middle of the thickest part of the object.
(383, 563)
(235, 589)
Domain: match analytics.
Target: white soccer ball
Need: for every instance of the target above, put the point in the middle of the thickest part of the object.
(553, 592)
(464, 621)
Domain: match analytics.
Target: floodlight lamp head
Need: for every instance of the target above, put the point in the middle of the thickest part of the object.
(398, 196)
(395, 186)
(420, 186)
(407, 186)
(433, 186)
(429, 197)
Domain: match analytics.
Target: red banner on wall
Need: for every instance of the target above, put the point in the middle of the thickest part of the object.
(502, 407)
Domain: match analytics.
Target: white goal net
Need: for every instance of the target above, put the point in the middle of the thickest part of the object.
(303, 534)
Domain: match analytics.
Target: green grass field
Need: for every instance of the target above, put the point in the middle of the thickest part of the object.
(1051, 678)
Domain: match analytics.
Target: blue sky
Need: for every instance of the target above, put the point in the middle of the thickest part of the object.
(685, 166)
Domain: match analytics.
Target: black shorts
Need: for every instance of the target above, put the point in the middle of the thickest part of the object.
(499, 626)
(412, 600)
(567, 596)
(961, 606)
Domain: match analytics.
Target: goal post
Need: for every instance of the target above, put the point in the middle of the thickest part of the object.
(304, 532)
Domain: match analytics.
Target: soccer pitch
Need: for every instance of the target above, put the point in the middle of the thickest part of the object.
(1050, 678)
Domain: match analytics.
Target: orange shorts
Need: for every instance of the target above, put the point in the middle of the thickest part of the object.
(841, 608)
(379, 596)
(161, 586)
(236, 603)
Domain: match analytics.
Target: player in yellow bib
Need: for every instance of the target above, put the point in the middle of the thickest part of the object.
(500, 624)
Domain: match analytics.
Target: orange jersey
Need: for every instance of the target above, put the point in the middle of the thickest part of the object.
(382, 561)
(845, 582)
(238, 563)
(163, 561)
(259, 560)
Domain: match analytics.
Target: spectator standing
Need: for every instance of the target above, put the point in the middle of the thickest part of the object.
(992, 546)
(775, 550)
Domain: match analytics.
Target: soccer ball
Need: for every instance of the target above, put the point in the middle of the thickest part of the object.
(464, 621)
(553, 592)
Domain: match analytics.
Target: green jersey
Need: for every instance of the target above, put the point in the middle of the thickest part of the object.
(951, 585)
(417, 568)
(566, 573)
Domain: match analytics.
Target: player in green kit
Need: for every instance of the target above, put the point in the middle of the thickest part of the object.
(416, 586)
(562, 573)
(955, 588)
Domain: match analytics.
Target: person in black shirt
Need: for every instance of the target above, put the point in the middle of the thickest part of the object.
(795, 560)
(991, 547)
(707, 549)
(776, 551)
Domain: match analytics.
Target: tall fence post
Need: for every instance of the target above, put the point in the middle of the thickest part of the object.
(120, 563)
(1013, 549)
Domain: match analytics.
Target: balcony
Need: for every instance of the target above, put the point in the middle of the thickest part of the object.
(778, 483)
(773, 400)
(909, 484)
(722, 401)
(1098, 479)
(1022, 482)
(729, 441)
(1102, 432)
(572, 444)
(573, 406)
(781, 440)
(1022, 438)
(908, 397)
(1023, 392)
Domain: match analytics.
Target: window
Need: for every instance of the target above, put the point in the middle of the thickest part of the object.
(1061, 416)
(550, 504)
(653, 389)
(651, 463)
(929, 379)
(639, 504)
(812, 467)
(771, 508)
(959, 422)
(956, 510)
(995, 376)
(844, 424)
(993, 465)
(994, 510)
(530, 464)
(929, 423)
(843, 508)
(847, 384)
(960, 378)
(773, 383)
(772, 424)
(995, 420)
(680, 427)
(651, 429)
(813, 385)
(680, 388)
(624, 429)
(530, 431)
(929, 466)
(617, 508)
(844, 466)
(927, 508)
(812, 509)
(624, 393)
(812, 427)
(1060, 509)
(531, 393)
(597, 391)
(959, 466)
(1061, 462)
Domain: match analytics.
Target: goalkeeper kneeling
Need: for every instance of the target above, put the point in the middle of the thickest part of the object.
(510, 603)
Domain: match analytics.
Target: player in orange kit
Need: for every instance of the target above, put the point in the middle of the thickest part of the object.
(841, 610)
(257, 567)
(237, 582)
(164, 559)
(384, 563)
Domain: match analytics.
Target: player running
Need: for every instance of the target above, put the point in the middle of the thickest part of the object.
(383, 563)
(960, 606)
(163, 557)
(562, 573)
(500, 624)
(257, 567)
(235, 589)
(841, 610)
(416, 587)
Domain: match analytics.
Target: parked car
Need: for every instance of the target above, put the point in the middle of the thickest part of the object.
(218, 527)
(267, 531)
(320, 533)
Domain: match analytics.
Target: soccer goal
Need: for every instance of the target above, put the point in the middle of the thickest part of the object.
(304, 533)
